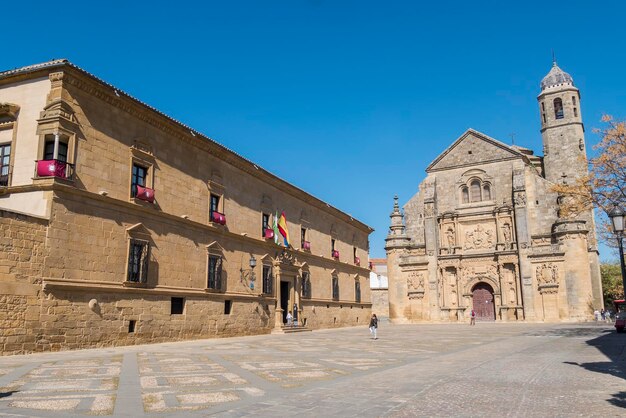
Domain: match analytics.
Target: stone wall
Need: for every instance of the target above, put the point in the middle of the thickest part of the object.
(22, 255)
(380, 302)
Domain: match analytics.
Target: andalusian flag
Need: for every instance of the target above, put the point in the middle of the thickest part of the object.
(275, 228)
(282, 227)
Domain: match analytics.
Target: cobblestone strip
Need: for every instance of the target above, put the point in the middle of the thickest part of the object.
(129, 401)
(17, 373)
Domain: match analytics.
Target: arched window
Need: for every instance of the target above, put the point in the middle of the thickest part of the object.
(475, 191)
(465, 194)
(558, 108)
(486, 192)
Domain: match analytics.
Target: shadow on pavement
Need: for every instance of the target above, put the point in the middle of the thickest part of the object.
(612, 345)
(7, 394)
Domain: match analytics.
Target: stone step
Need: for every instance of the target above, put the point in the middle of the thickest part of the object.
(290, 330)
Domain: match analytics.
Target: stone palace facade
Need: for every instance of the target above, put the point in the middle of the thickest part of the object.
(485, 232)
(120, 225)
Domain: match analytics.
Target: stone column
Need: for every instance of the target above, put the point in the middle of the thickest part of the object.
(278, 322)
(523, 242)
(55, 155)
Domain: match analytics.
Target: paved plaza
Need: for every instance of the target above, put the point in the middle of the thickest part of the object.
(515, 370)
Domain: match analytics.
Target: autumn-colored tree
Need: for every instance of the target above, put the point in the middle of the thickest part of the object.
(605, 185)
(612, 287)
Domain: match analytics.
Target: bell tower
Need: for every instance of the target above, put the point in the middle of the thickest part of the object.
(561, 127)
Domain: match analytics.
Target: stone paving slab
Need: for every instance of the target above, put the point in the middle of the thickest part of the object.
(503, 370)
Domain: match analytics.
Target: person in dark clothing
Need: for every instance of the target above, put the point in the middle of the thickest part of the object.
(374, 326)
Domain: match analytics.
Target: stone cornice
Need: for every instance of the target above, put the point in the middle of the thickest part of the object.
(49, 284)
(271, 248)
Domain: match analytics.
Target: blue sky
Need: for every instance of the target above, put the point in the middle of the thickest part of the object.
(348, 100)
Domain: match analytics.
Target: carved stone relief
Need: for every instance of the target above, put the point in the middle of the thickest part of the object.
(286, 257)
(520, 199)
(415, 285)
(478, 238)
(547, 274)
(508, 279)
(415, 281)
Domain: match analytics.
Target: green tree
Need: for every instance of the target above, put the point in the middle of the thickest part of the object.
(612, 288)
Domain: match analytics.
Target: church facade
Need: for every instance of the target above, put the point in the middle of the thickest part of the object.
(485, 232)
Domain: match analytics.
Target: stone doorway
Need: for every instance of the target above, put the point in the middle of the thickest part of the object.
(285, 291)
(483, 302)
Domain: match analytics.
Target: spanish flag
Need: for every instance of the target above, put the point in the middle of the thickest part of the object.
(282, 227)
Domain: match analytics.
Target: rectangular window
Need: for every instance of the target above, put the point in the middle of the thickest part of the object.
(131, 326)
(48, 151)
(215, 272)
(5, 155)
(138, 258)
(268, 280)
(302, 237)
(266, 224)
(332, 244)
(228, 305)
(335, 288)
(213, 205)
(178, 306)
(357, 291)
(138, 178)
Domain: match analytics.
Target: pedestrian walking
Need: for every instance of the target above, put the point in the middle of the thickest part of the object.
(289, 319)
(473, 317)
(374, 326)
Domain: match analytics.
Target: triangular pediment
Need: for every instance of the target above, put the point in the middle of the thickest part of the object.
(473, 148)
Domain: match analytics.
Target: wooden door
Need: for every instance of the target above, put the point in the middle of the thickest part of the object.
(483, 302)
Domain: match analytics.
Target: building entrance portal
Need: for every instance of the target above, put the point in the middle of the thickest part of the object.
(285, 289)
(483, 305)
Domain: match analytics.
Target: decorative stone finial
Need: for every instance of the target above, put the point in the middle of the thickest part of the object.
(397, 237)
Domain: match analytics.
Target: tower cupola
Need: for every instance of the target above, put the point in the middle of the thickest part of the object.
(556, 78)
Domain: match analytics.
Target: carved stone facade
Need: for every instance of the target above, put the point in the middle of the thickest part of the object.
(484, 232)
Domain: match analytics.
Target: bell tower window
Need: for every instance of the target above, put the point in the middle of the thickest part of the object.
(558, 108)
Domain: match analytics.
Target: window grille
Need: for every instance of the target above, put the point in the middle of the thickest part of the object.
(268, 280)
(215, 272)
(138, 258)
(306, 284)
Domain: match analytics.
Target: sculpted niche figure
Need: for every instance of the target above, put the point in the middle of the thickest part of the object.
(450, 237)
(506, 232)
